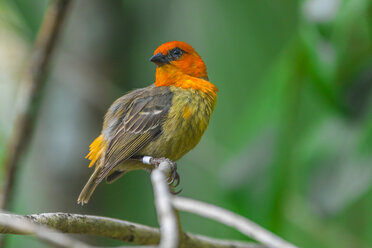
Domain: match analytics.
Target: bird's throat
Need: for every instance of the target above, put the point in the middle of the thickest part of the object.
(166, 76)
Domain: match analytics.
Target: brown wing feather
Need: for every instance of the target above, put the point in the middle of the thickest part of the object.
(140, 122)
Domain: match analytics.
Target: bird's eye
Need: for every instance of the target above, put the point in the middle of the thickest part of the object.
(177, 52)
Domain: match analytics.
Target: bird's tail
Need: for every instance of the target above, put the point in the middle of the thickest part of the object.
(89, 187)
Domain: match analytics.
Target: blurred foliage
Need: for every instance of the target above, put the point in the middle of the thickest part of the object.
(289, 144)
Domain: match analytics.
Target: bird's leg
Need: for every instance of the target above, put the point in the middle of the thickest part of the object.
(174, 177)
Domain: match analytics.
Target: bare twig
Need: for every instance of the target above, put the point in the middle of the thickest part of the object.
(19, 224)
(115, 229)
(167, 217)
(226, 217)
(31, 92)
(98, 226)
(218, 243)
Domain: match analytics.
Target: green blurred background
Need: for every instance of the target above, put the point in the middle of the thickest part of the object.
(289, 145)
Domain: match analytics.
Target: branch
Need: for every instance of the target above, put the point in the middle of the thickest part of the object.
(11, 223)
(31, 92)
(168, 221)
(113, 228)
(226, 217)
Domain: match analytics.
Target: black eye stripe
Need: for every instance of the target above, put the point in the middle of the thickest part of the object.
(175, 53)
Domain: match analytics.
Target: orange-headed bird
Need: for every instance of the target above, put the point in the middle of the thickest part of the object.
(166, 119)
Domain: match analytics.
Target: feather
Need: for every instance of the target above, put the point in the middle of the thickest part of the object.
(141, 117)
(95, 150)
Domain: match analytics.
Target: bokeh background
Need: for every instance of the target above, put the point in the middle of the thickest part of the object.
(289, 145)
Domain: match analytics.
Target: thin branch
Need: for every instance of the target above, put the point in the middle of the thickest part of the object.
(31, 92)
(99, 226)
(168, 221)
(208, 242)
(226, 217)
(19, 224)
(115, 229)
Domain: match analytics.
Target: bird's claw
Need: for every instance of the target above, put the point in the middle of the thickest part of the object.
(174, 177)
(174, 180)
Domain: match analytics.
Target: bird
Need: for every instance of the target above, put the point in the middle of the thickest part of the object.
(164, 120)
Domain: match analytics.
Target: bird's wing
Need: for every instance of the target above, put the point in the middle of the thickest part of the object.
(133, 122)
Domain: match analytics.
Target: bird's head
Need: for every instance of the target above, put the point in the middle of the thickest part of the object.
(179, 56)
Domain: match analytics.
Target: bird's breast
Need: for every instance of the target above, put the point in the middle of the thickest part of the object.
(185, 124)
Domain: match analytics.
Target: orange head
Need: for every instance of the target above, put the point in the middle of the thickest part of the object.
(178, 56)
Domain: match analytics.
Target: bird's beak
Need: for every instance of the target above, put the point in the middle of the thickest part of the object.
(159, 59)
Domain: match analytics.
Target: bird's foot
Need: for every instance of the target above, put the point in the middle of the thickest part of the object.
(173, 177)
